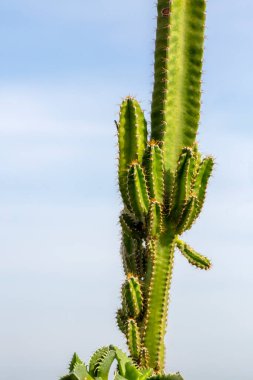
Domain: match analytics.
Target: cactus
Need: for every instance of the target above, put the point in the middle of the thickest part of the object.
(162, 180)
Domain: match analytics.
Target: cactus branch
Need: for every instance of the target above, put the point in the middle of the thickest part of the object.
(192, 256)
(178, 67)
(161, 261)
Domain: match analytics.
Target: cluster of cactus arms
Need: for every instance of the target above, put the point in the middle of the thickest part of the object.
(162, 180)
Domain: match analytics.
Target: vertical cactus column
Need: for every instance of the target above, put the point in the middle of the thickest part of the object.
(162, 181)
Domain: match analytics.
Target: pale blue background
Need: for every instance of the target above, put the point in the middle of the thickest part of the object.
(64, 67)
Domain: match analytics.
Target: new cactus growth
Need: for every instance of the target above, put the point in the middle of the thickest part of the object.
(162, 181)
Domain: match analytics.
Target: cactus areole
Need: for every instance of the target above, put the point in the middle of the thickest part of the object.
(162, 180)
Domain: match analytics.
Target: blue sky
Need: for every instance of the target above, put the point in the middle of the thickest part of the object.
(64, 68)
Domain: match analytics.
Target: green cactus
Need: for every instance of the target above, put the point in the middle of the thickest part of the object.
(162, 181)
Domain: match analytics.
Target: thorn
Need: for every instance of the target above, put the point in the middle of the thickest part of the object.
(117, 125)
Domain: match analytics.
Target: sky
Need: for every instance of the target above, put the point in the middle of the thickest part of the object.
(64, 69)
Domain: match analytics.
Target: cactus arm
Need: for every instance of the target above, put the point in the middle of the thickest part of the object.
(132, 138)
(188, 216)
(158, 283)
(121, 319)
(144, 358)
(196, 201)
(155, 171)
(155, 222)
(141, 260)
(178, 67)
(129, 253)
(132, 297)
(130, 227)
(193, 257)
(133, 339)
(160, 69)
(137, 191)
(181, 188)
(203, 176)
(133, 256)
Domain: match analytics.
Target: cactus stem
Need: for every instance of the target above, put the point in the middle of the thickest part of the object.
(157, 303)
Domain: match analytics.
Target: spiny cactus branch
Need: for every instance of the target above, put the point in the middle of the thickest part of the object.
(178, 67)
(161, 257)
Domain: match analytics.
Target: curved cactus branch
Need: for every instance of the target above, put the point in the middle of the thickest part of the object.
(193, 257)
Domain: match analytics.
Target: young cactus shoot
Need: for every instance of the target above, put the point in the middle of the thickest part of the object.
(162, 180)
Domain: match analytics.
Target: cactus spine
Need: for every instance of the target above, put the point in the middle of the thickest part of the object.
(162, 181)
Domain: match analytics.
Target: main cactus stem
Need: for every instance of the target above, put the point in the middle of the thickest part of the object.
(162, 180)
(157, 308)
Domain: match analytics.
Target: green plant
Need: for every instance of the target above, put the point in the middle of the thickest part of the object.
(163, 183)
